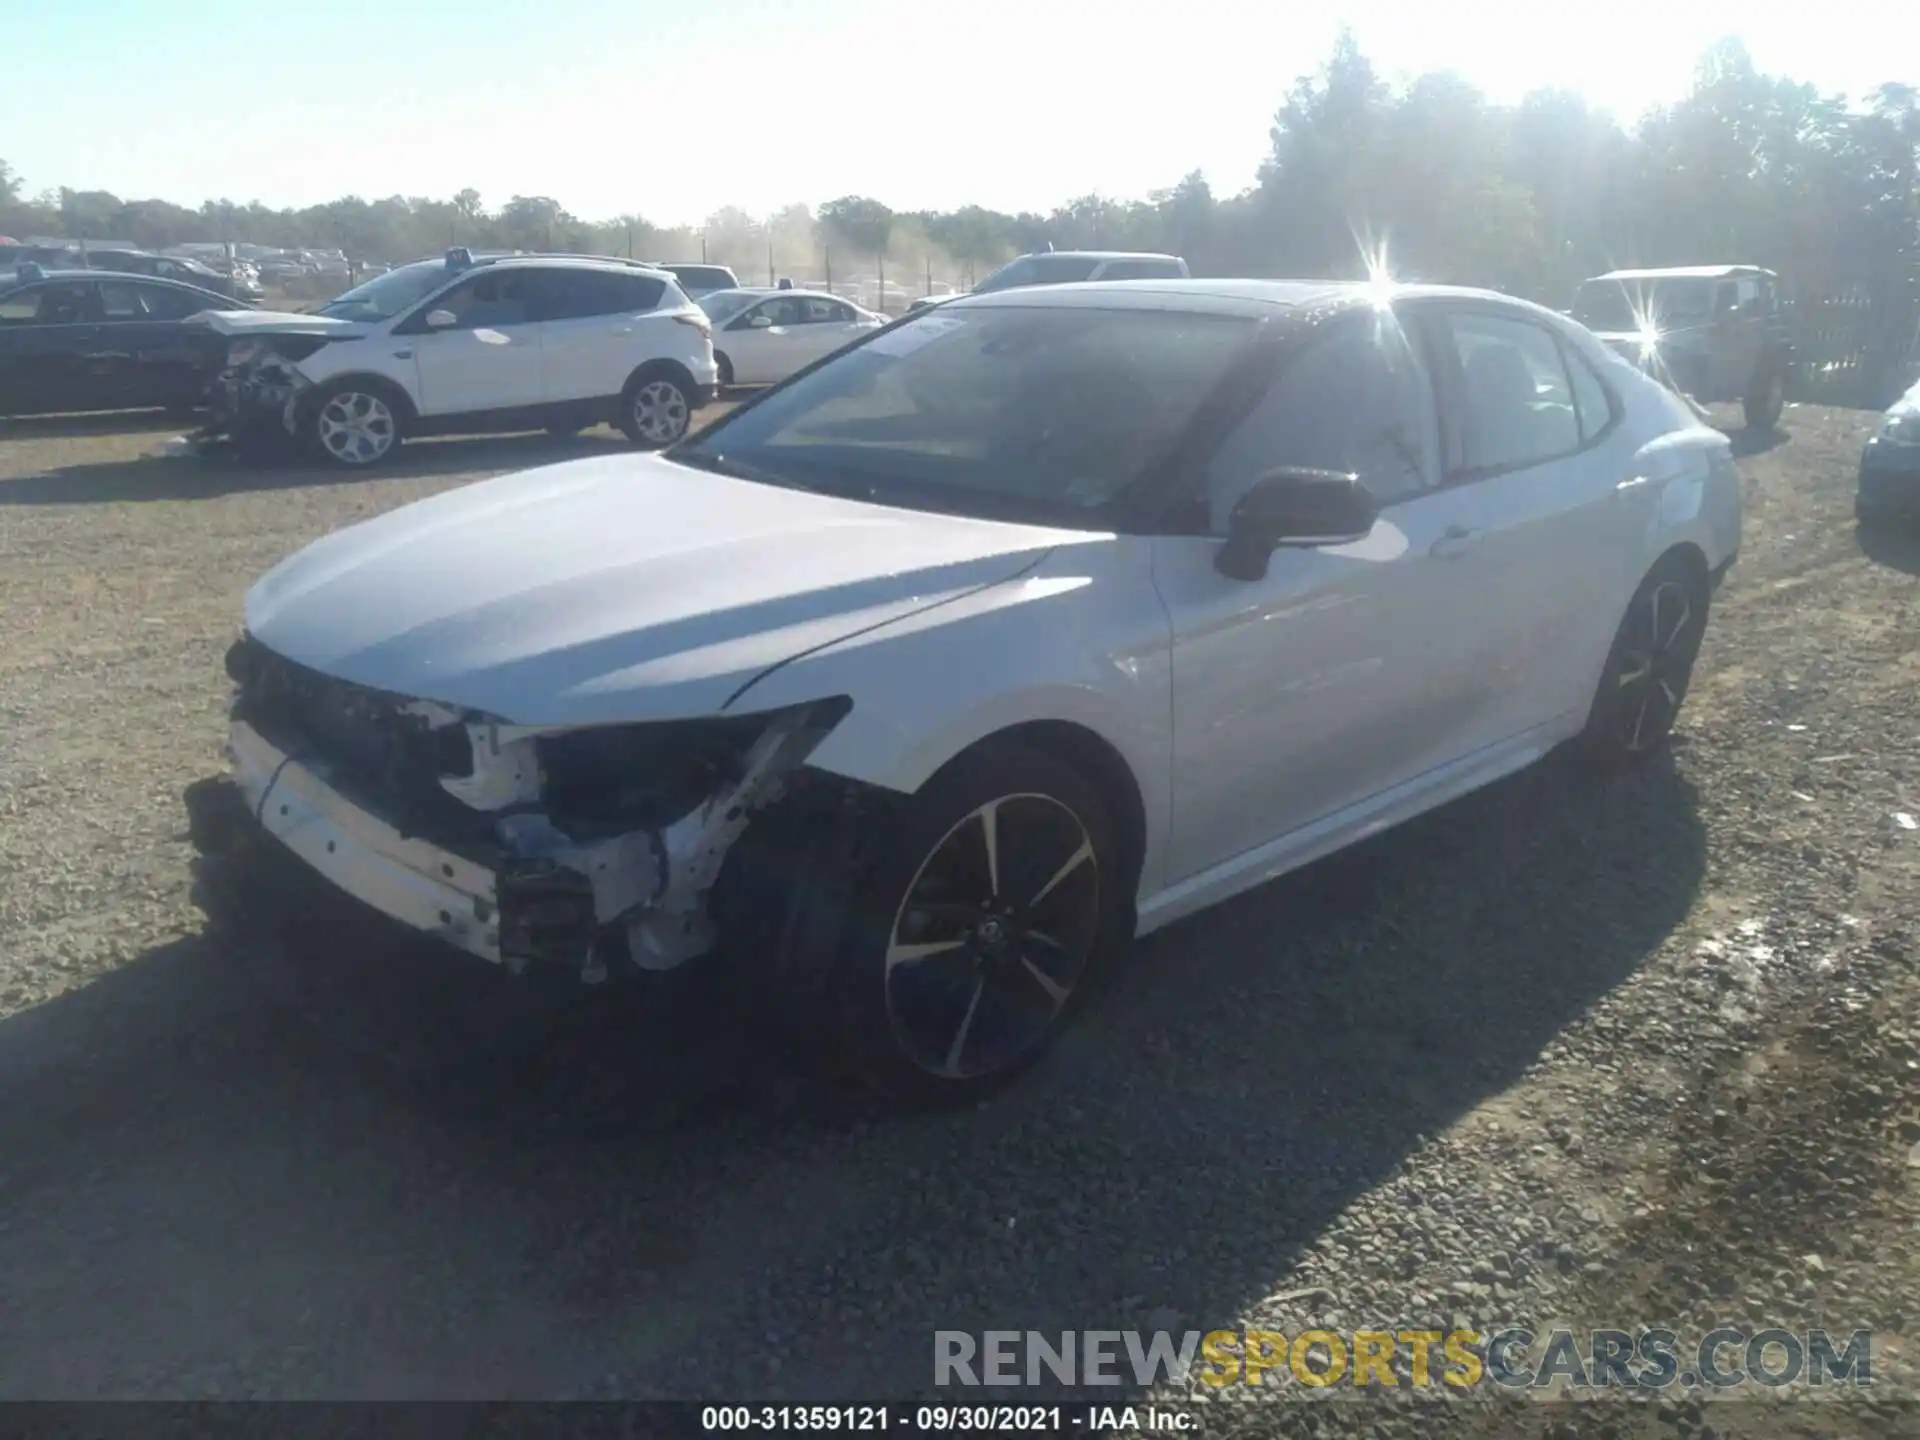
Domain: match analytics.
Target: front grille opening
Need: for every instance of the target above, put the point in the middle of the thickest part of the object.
(363, 734)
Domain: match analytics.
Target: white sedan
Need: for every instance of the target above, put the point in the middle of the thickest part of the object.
(763, 336)
(923, 684)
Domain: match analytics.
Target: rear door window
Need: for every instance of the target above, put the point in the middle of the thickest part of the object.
(1518, 408)
(580, 294)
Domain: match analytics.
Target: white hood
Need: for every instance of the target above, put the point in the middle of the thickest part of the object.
(625, 588)
(279, 322)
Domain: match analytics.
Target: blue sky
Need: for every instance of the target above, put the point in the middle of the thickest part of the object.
(672, 110)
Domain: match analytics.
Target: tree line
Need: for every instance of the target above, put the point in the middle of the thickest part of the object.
(1527, 198)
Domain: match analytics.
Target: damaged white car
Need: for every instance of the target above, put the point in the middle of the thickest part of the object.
(927, 679)
(469, 345)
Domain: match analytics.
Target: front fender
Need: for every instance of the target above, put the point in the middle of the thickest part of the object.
(1083, 639)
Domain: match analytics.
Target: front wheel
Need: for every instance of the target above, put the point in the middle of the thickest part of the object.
(1650, 666)
(997, 895)
(354, 426)
(655, 411)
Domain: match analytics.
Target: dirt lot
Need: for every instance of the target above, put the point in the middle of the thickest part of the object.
(1614, 1054)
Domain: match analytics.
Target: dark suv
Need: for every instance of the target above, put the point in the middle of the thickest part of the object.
(1715, 333)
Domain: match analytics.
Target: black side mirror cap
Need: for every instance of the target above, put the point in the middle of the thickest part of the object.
(1293, 506)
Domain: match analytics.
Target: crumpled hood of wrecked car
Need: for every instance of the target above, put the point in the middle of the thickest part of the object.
(623, 588)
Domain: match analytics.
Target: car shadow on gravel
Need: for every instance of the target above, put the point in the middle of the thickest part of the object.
(199, 1192)
(1895, 546)
(223, 471)
(112, 422)
(1748, 442)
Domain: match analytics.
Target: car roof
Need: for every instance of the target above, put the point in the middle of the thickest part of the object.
(1248, 297)
(1685, 272)
(1105, 254)
(76, 274)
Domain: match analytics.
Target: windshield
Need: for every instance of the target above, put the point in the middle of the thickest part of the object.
(723, 305)
(1034, 413)
(387, 295)
(1037, 270)
(1623, 304)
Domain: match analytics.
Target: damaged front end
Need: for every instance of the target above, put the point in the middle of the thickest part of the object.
(585, 848)
(256, 395)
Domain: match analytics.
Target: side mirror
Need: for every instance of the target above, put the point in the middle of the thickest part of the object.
(441, 319)
(760, 322)
(1293, 507)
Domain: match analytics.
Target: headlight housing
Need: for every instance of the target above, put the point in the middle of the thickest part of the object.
(243, 352)
(1902, 424)
(651, 774)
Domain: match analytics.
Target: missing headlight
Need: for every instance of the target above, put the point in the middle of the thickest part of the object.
(643, 775)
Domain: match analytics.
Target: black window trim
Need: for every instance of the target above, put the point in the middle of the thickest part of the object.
(1443, 310)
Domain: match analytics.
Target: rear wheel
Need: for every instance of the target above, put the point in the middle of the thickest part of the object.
(995, 900)
(1650, 666)
(354, 425)
(1767, 400)
(655, 411)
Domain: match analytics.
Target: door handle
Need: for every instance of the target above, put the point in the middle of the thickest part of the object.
(1454, 542)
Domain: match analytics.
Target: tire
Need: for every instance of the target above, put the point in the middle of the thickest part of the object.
(725, 367)
(355, 424)
(1649, 666)
(1768, 399)
(937, 994)
(655, 410)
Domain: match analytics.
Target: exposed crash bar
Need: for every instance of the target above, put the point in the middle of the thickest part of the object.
(410, 880)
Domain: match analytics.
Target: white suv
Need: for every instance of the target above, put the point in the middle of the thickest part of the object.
(466, 344)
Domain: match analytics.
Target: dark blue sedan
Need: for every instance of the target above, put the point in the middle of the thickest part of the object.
(93, 340)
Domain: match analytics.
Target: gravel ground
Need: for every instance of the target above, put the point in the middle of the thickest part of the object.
(1611, 1054)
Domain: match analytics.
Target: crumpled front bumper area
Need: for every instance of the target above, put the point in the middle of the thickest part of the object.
(583, 849)
(407, 878)
(260, 397)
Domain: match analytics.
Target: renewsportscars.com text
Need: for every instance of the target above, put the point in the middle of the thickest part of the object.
(1513, 1357)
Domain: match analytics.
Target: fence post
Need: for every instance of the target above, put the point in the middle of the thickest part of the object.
(827, 256)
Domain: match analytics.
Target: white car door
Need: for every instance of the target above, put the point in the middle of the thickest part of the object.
(764, 341)
(1341, 673)
(489, 358)
(594, 330)
(827, 325)
(1544, 455)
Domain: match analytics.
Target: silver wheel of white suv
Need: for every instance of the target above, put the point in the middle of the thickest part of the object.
(355, 427)
(657, 412)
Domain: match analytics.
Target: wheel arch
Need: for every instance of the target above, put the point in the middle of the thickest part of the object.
(662, 368)
(1099, 761)
(1685, 553)
(405, 411)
